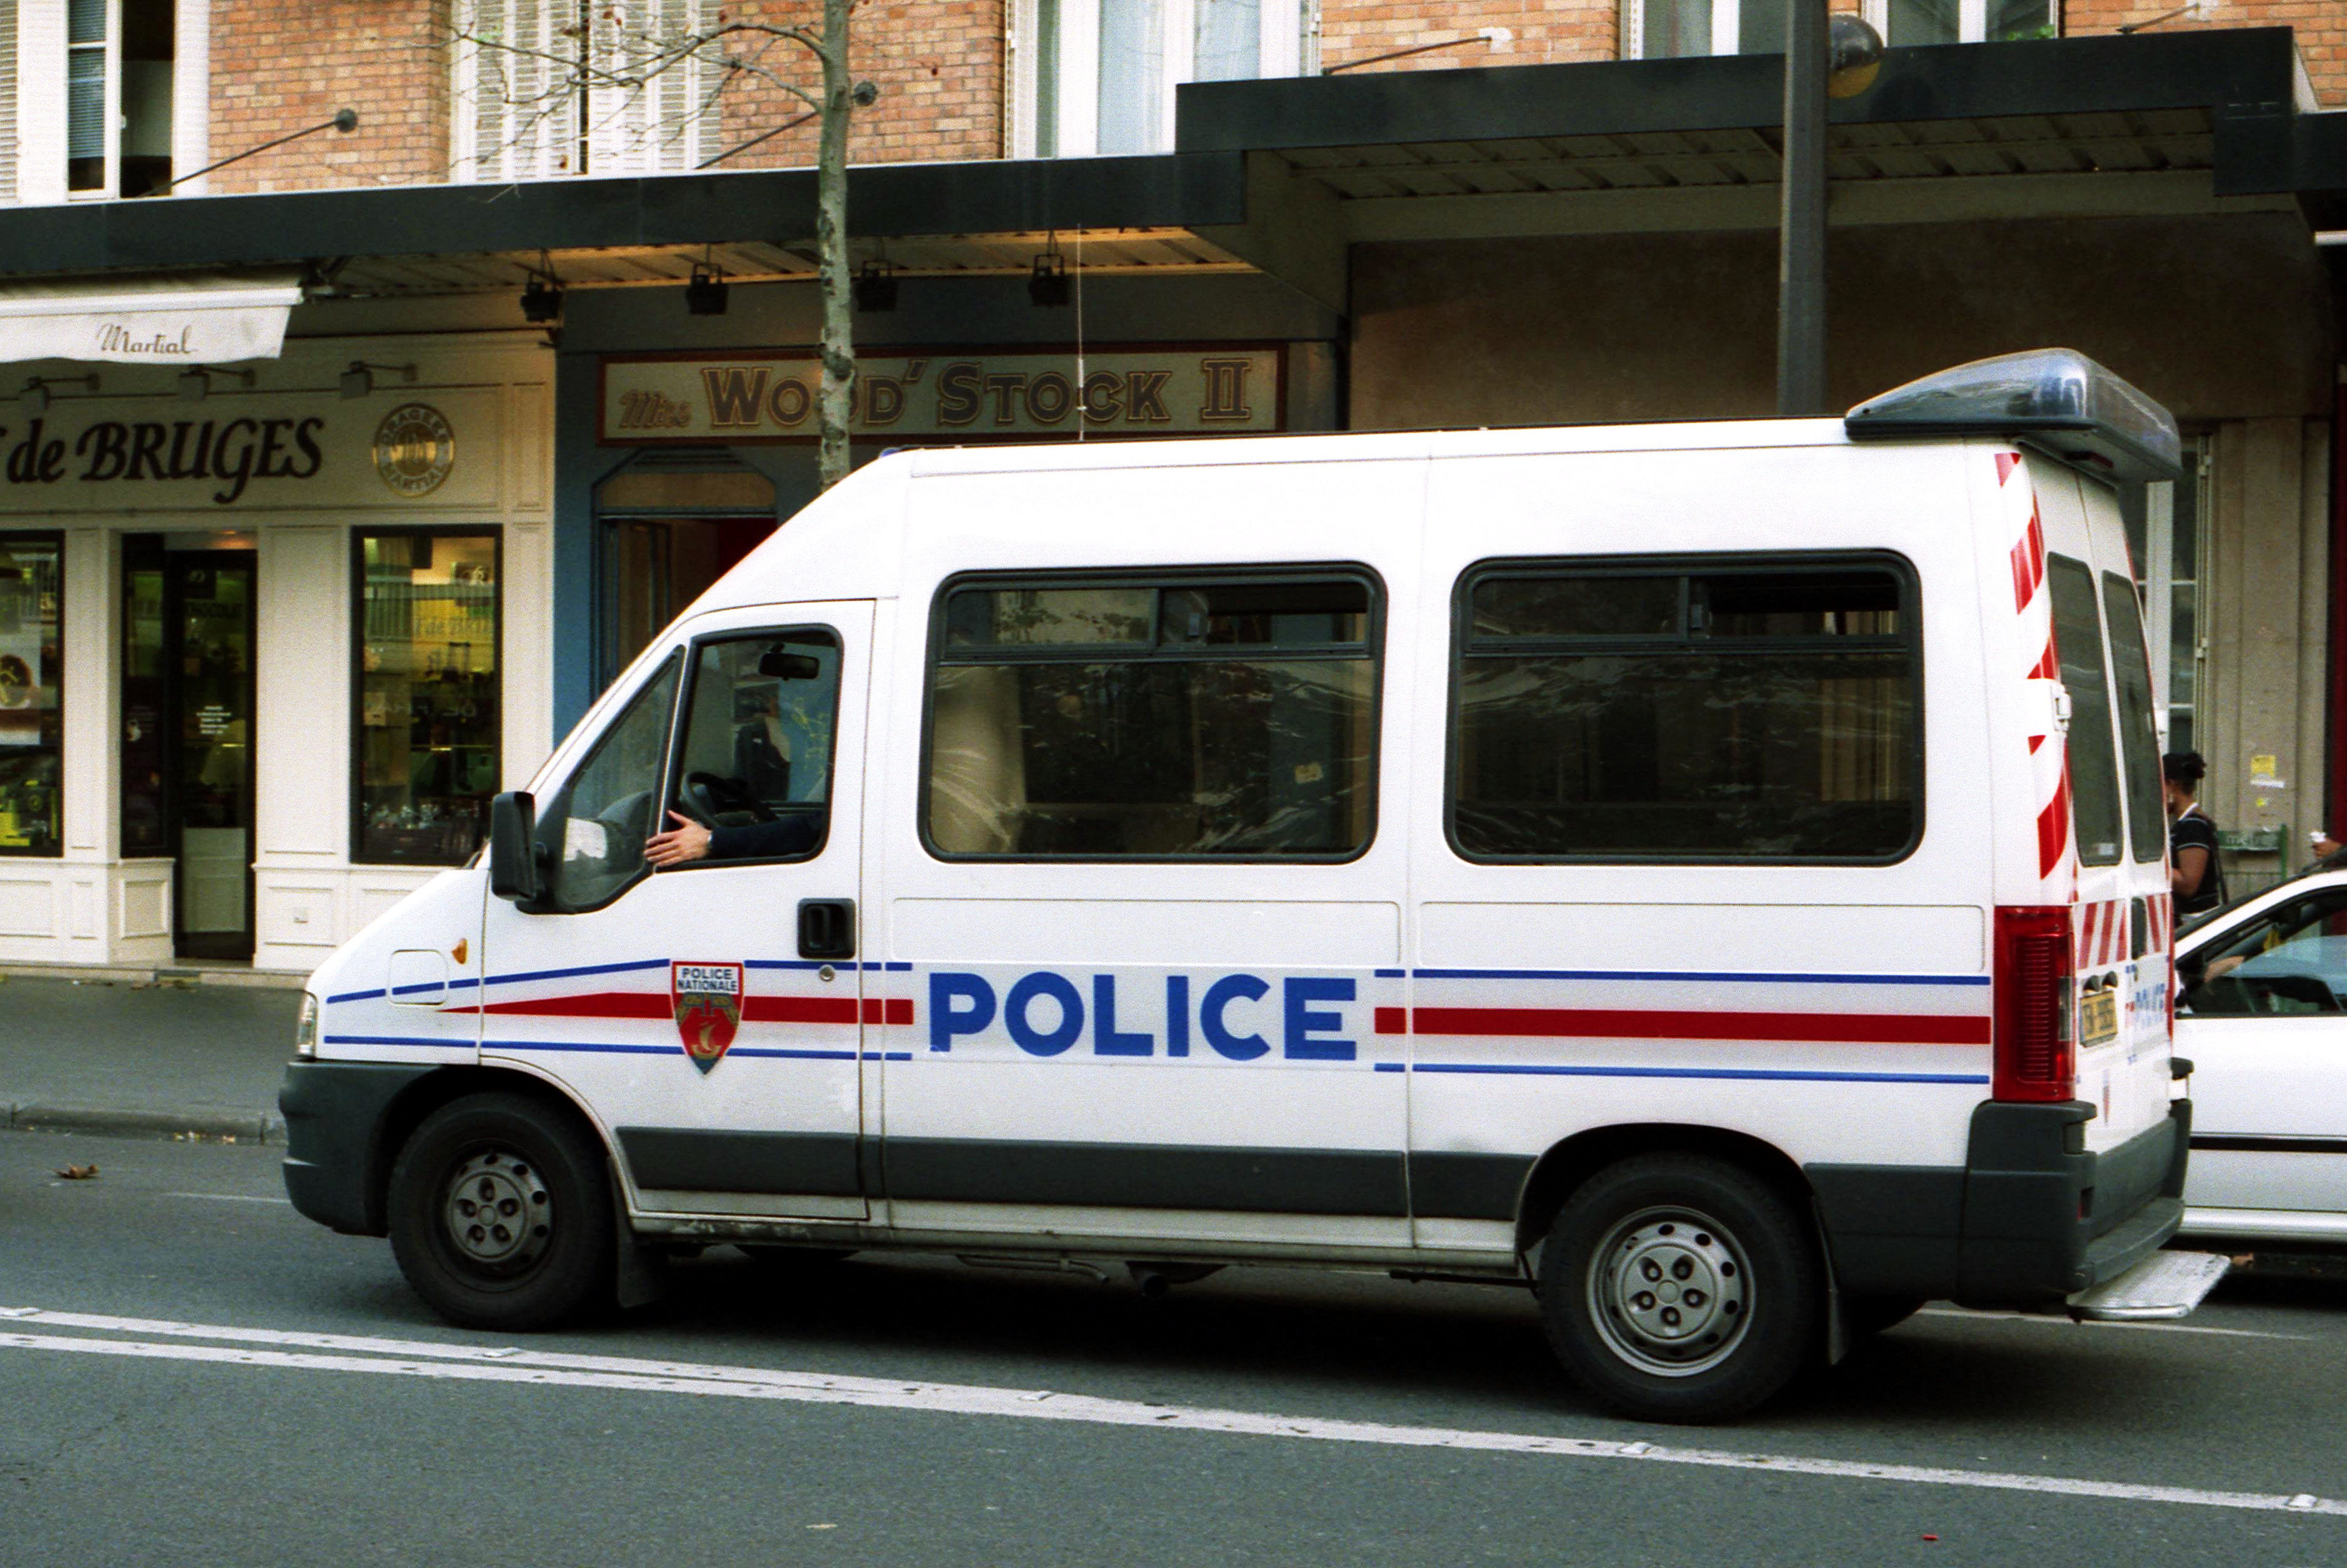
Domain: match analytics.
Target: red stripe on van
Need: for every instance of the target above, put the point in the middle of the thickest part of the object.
(1392, 1020)
(1609, 1023)
(755, 1009)
(2054, 828)
(597, 1004)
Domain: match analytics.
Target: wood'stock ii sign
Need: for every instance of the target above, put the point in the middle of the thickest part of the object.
(949, 397)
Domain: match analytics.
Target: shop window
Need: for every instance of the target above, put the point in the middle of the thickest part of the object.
(117, 71)
(548, 87)
(32, 709)
(760, 727)
(1098, 75)
(1670, 30)
(426, 695)
(667, 534)
(592, 831)
(1153, 719)
(1705, 711)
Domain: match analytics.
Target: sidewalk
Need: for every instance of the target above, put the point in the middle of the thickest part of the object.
(97, 1057)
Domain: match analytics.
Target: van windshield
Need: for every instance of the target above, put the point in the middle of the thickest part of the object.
(2131, 674)
(2093, 758)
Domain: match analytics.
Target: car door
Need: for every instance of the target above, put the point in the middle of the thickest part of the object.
(2263, 1019)
(710, 1013)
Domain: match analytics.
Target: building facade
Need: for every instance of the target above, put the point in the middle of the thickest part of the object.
(510, 443)
(275, 646)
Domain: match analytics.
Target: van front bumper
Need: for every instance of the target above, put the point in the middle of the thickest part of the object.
(2031, 1218)
(334, 1147)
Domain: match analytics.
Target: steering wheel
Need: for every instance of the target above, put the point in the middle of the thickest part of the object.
(713, 797)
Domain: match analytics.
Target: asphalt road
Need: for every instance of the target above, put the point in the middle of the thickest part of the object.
(190, 1372)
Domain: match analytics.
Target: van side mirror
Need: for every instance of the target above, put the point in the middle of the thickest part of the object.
(513, 848)
(782, 664)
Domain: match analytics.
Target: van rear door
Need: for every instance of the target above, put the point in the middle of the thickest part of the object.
(2120, 924)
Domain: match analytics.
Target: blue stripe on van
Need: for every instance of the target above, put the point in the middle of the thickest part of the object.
(584, 970)
(359, 995)
(1687, 975)
(465, 1042)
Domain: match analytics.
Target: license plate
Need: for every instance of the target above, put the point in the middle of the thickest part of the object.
(2099, 1017)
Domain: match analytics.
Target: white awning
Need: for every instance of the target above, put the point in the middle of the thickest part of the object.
(185, 319)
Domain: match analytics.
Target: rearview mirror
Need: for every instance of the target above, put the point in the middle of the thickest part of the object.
(781, 663)
(513, 850)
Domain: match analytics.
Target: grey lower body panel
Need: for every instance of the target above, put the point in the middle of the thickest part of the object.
(334, 1117)
(2031, 1218)
(1371, 1182)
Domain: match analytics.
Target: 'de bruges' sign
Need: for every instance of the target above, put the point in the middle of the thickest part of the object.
(946, 396)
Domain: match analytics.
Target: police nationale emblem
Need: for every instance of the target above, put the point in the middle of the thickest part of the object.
(708, 1002)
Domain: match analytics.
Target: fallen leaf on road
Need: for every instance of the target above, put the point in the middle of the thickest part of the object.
(79, 1172)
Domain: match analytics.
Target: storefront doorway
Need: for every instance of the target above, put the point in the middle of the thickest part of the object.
(671, 525)
(188, 733)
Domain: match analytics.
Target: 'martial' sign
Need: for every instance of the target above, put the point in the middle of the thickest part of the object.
(946, 397)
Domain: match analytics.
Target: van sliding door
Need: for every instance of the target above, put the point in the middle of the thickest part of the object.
(1151, 920)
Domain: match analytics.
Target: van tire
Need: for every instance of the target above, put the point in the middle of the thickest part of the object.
(1738, 1297)
(488, 1158)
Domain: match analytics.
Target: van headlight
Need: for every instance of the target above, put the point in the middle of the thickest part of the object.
(305, 1027)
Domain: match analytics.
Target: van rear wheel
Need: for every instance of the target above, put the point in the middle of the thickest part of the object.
(501, 1215)
(1677, 1287)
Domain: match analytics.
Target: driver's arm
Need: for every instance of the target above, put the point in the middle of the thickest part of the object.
(688, 840)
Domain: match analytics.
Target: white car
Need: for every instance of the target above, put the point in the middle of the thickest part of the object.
(2262, 1018)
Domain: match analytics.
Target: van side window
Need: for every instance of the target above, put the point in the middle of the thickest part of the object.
(2131, 674)
(1159, 718)
(2094, 757)
(754, 762)
(1705, 708)
(592, 830)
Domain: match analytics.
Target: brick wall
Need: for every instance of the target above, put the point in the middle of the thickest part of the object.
(2320, 25)
(938, 65)
(280, 64)
(1547, 32)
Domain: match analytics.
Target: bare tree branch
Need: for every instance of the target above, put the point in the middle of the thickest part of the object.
(604, 98)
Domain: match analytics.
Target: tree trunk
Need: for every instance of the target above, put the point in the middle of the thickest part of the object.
(839, 398)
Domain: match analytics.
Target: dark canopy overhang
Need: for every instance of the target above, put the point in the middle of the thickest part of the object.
(1283, 177)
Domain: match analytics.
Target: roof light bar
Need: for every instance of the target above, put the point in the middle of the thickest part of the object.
(2054, 399)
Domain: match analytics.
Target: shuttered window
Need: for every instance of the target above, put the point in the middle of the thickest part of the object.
(551, 88)
(7, 103)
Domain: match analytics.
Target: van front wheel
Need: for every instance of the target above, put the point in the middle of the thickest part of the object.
(501, 1215)
(1680, 1288)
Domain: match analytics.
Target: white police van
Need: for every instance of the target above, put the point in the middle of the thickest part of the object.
(1714, 873)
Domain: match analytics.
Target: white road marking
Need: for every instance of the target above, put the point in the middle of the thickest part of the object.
(228, 1198)
(505, 1364)
(2060, 1322)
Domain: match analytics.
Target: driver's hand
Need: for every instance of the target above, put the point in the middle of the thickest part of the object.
(688, 840)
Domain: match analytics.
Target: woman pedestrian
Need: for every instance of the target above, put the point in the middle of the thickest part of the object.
(2194, 873)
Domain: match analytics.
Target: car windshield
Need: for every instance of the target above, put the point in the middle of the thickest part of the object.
(2290, 960)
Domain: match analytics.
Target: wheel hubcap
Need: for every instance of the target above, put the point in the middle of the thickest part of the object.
(1670, 1291)
(499, 1214)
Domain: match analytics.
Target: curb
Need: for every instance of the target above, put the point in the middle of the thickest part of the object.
(225, 1127)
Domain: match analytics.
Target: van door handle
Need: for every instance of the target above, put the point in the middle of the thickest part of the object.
(826, 927)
